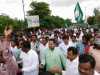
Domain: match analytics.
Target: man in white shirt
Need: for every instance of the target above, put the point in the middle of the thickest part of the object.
(73, 41)
(65, 44)
(34, 43)
(30, 62)
(72, 62)
(42, 46)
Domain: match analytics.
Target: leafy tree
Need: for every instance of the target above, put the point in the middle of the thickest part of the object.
(39, 8)
(97, 17)
(6, 20)
(90, 20)
(52, 22)
(46, 20)
(97, 20)
(68, 22)
(94, 20)
(96, 12)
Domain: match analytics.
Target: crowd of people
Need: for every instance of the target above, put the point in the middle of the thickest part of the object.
(61, 51)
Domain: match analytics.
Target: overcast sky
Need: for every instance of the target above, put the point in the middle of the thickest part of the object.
(62, 8)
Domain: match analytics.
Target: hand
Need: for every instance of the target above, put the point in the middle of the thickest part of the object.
(41, 66)
(8, 30)
(55, 69)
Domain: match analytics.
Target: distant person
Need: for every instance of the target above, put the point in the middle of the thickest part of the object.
(65, 44)
(84, 45)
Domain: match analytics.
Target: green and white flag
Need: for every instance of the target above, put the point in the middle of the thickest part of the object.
(78, 13)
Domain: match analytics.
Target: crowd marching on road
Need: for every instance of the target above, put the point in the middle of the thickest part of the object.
(61, 51)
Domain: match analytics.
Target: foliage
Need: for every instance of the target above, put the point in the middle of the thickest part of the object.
(97, 19)
(5, 20)
(39, 8)
(52, 22)
(96, 12)
(46, 20)
(68, 22)
(90, 20)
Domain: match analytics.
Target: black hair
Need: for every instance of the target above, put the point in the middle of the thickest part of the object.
(87, 37)
(52, 40)
(84, 58)
(26, 44)
(73, 49)
(96, 46)
(65, 37)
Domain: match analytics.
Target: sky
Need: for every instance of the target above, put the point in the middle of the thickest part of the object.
(62, 8)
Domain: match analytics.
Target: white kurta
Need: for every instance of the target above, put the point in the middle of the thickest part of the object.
(95, 73)
(71, 67)
(64, 47)
(30, 63)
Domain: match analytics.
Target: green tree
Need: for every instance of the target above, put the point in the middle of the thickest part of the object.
(19, 24)
(39, 8)
(90, 20)
(52, 22)
(97, 17)
(96, 12)
(6, 20)
(68, 22)
(46, 20)
(57, 22)
(97, 20)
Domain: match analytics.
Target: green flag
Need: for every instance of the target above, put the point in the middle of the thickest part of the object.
(78, 13)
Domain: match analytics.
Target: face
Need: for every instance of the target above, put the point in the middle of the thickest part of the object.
(51, 44)
(66, 40)
(24, 50)
(44, 41)
(73, 38)
(84, 40)
(33, 38)
(70, 55)
(85, 69)
(20, 44)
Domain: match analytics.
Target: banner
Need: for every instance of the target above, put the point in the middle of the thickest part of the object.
(33, 21)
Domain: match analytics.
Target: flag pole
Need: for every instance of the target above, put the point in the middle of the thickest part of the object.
(25, 23)
(85, 15)
(23, 9)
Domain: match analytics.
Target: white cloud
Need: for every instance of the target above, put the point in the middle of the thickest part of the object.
(61, 3)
